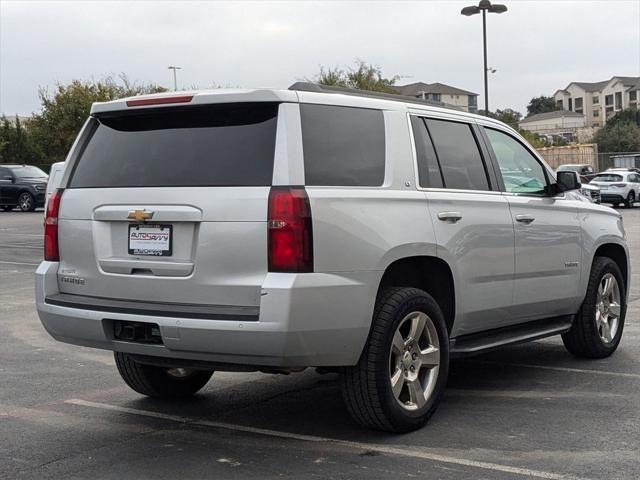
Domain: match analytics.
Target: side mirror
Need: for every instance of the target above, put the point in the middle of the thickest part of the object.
(567, 181)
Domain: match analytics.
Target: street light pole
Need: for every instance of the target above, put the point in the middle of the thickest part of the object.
(175, 78)
(484, 6)
(486, 73)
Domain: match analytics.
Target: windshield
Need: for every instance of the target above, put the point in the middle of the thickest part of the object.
(608, 178)
(28, 172)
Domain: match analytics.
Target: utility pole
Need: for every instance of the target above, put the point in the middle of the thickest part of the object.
(175, 78)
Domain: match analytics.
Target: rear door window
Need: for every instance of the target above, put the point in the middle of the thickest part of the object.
(214, 145)
(429, 175)
(460, 159)
(342, 145)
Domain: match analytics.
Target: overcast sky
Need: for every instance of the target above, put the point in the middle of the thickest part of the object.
(536, 47)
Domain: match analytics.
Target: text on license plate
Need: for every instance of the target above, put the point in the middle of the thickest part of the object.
(151, 239)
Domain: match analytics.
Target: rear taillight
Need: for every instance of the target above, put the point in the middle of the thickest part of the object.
(51, 251)
(619, 185)
(289, 225)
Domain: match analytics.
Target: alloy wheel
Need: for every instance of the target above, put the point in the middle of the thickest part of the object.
(414, 360)
(608, 308)
(25, 202)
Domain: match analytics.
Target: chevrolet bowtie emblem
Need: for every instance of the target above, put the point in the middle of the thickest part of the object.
(140, 215)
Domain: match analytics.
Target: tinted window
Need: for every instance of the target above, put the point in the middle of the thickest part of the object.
(219, 145)
(28, 172)
(458, 154)
(342, 145)
(4, 172)
(608, 177)
(428, 169)
(521, 171)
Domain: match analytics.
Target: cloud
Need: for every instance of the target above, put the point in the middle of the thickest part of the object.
(537, 46)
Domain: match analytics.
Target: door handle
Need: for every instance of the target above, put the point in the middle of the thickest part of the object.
(524, 218)
(451, 217)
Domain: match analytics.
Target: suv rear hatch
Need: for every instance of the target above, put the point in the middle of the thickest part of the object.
(169, 205)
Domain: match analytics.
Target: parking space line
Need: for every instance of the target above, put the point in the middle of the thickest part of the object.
(17, 245)
(19, 263)
(403, 451)
(563, 369)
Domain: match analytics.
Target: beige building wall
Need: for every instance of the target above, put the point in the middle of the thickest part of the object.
(580, 153)
(457, 100)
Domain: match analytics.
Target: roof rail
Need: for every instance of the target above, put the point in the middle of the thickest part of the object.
(314, 87)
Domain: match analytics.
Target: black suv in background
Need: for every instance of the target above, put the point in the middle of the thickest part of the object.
(22, 186)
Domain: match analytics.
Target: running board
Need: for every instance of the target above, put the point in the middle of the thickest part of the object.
(525, 332)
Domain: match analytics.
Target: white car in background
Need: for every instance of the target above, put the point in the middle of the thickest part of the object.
(587, 190)
(55, 177)
(618, 186)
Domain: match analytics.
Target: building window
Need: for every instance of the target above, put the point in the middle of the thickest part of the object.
(608, 100)
(434, 96)
(633, 96)
(559, 104)
(596, 113)
(571, 104)
(618, 100)
(596, 99)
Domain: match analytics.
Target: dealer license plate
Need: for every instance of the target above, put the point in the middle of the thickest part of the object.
(149, 239)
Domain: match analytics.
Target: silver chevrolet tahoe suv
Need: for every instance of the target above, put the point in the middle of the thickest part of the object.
(273, 230)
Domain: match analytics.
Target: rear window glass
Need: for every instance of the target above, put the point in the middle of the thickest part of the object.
(607, 178)
(342, 145)
(216, 145)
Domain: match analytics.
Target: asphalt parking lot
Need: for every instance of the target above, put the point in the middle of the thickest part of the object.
(529, 411)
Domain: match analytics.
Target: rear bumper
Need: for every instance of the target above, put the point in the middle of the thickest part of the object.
(611, 198)
(314, 319)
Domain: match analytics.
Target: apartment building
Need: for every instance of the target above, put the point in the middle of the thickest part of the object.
(598, 101)
(439, 92)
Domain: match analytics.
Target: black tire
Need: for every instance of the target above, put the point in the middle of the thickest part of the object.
(158, 382)
(584, 339)
(26, 203)
(631, 199)
(615, 205)
(366, 387)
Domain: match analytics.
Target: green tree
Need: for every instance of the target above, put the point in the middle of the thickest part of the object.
(362, 76)
(508, 115)
(16, 145)
(541, 104)
(620, 136)
(628, 115)
(65, 110)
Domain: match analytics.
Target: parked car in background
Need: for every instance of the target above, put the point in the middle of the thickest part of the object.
(590, 191)
(360, 234)
(22, 186)
(618, 186)
(55, 177)
(585, 170)
(623, 169)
